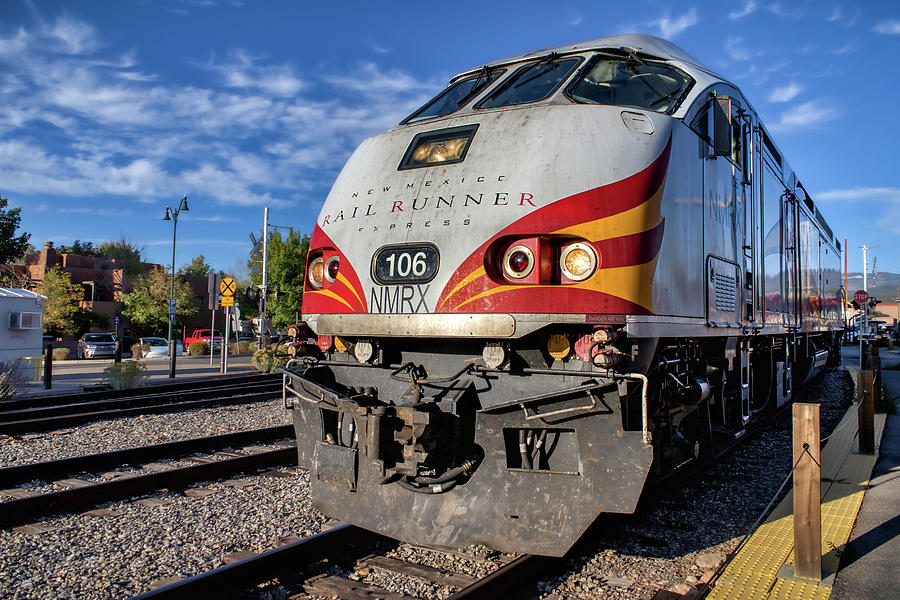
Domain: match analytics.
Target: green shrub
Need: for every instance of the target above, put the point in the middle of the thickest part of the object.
(267, 359)
(242, 347)
(198, 349)
(60, 354)
(125, 375)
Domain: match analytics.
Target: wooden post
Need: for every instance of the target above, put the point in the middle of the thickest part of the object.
(866, 395)
(807, 493)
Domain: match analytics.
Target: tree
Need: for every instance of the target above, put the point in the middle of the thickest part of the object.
(126, 255)
(286, 268)
(12, 246)
(197, 268)
(147, 304)
(61, 307)
(80, 248)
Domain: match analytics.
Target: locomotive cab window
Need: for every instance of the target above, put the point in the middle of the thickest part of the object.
(454, 97)
(630, 82)
(532, 82)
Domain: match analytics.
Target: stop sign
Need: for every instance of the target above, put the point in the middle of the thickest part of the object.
(861, 296)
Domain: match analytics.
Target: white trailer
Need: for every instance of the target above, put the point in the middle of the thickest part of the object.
(21, 324)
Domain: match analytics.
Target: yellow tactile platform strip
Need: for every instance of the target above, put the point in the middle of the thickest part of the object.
(753, 573)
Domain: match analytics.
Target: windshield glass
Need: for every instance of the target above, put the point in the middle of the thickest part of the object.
(156, 342)
(99, 337)
(452, 99)
(532, 82)
(630, 82)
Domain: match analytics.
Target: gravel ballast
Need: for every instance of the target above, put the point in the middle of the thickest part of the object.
(675, 542)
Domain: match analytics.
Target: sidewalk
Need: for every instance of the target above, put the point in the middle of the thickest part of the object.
(71, 376)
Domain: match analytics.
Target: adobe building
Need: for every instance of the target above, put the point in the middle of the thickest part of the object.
(103, 282)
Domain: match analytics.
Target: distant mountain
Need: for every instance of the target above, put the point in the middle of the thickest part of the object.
(884, 286)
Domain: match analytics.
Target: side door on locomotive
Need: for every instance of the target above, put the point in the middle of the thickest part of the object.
(731, 238)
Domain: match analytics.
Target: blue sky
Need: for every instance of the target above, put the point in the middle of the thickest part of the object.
(109, 110)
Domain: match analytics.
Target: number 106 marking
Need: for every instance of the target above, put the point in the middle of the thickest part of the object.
(405, 264)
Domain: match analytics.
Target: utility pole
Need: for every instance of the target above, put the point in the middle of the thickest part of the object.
(865, 250)
(263, 296)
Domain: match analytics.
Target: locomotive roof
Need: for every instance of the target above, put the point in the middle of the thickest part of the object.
(646, 45)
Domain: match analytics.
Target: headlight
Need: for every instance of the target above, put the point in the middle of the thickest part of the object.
(316, 272)
(332, 266)
(445, 146)
(578, 261)
(518, 262)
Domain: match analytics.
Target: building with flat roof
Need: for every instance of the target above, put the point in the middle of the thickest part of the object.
(103, 282)
(21, 323)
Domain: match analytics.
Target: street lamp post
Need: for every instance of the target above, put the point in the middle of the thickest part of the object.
(172, 215)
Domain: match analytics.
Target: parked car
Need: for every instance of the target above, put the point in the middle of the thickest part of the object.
(159, 346)
(205, 335)
(93, 345)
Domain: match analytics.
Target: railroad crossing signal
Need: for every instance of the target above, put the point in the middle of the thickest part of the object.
(256, 250)
(228, 287)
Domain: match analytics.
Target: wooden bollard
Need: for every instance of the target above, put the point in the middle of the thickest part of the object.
(866, 395)
(807, 493)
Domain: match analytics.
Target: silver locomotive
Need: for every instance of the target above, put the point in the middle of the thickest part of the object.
(570, 271)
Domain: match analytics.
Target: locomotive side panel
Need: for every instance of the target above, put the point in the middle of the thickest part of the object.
(678, 283)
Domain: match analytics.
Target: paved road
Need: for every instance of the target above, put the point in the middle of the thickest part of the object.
(72, 375)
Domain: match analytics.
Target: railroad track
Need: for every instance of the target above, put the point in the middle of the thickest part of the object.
(83, 493)
(309, 553)
(514, 578)
(54, 413)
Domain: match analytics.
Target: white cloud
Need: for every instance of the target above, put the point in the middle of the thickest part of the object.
(376, 47)
(736, 48)
(16, 44)
(890, 27)
(807, 114)
(786, 93)
(243, 72)
(848, 48)
(126, 133)
(670, 28)
(794, 13)
(370, 79)
(71, 36)
(749, 8)
(867, 194)
(839, 17)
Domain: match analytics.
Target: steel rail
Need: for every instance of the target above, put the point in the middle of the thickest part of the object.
(226, 580)
(44, 424)
(36, 412)
(23, 510)
(167, 388)
(502, 582)
(91, 463)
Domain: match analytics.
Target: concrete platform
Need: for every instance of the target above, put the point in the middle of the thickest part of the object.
(860, 519)
(869, 562)
(71, 376)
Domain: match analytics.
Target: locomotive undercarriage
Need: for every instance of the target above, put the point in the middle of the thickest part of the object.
(435, 448)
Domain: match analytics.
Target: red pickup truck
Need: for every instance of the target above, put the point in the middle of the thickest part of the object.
(205, 335)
